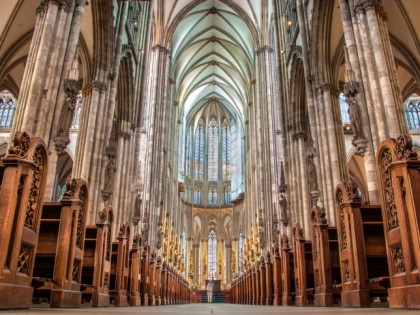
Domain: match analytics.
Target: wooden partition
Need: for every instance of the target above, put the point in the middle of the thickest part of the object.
(361, 240)
(287, 271)
(303, 267)
(22, 176)
(59, 256)
(325, 254)
(397, 167)
(135, 275)
(120, 267)
(97, 260)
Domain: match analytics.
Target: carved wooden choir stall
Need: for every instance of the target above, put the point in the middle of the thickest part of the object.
(49, 255)
(370, 255)
(22, 176)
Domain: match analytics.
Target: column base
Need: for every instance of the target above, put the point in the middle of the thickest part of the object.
(100, 300)
(404, 297)
(323, 299)
(15, 296)
(135, 300)
(355, 298)
(65, 299)
(121, 300)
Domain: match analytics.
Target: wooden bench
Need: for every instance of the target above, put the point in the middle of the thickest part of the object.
(287, 267)
(303, 268)
(97, 260)
(135, 275)
(59, 255)
(326, 260)
(397, 168)
(23, 176)
(120, 267)
(362, 243)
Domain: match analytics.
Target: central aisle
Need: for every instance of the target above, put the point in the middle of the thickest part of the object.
(209, 309)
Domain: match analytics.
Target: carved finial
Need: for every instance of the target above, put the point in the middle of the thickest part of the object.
(404, 148)
(21, 143)
(298, 232)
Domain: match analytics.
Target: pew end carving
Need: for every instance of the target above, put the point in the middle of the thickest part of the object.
(23, 177)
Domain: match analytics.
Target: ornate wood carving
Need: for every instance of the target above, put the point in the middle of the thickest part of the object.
(21, 199)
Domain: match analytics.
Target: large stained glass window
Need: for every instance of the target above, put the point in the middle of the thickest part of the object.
(208, 152)
(212, 254)
(199, 151)
(7, 109)
(226, 150)
(213, 150)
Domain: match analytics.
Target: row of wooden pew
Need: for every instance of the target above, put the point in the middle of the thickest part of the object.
(49, 255)
(370, 255)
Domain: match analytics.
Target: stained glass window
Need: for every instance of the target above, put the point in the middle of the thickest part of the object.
(199, 151)
(197, 196)
(212, 196)
(343, 109)
(213, 150)
(212, 254)
(226, 150)
(7, 109)
(76, 117)
(226, 195)
(412, 112)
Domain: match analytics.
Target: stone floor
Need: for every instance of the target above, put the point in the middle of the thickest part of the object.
(222, 309)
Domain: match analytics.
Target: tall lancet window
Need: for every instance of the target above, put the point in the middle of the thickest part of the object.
(7, 109)
(189, 152)
(213, 150)
(212, 254)
(199, 151)
(212, 199)
(226, 150)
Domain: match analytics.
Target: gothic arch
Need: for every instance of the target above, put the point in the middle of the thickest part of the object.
(183, 13)
(103, 18)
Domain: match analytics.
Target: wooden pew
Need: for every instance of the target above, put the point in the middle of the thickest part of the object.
(362, 243)
(269, 279)
(135, 275)
(286, 271)
(277, 274)
(120, 267)
(97, 260)
(303, 268)
(22, 178)
(397, 168)
(59, 255)
(326, 262)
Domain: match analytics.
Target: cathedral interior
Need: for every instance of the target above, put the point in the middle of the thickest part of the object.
(154, 150)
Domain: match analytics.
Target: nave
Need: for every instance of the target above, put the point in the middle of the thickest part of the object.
(216, 309)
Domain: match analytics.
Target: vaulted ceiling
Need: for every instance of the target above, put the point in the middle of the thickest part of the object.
(212, 52)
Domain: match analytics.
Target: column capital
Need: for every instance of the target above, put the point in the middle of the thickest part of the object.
(328, 87)
(299, 135)
(98, 85)
(351, 88)
(161, 48)
(264, 49)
